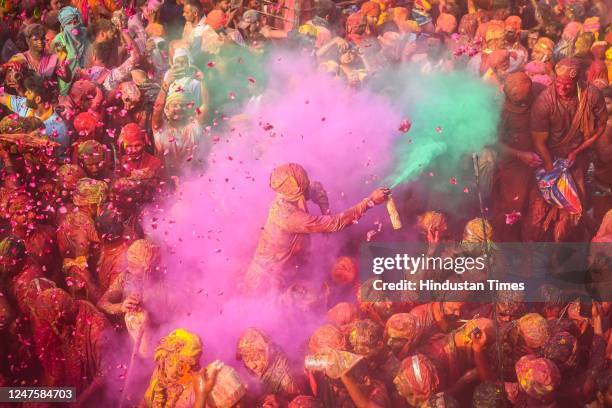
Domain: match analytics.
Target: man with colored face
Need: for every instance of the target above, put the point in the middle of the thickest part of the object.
(566, 119)
(136, 163)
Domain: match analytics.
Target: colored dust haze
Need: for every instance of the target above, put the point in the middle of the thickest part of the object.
(346, 139)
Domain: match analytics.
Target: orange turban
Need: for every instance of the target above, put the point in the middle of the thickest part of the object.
(216, 19)
(85, 123)
(538, 377)
(290, 180)
(326, 336)
(533, 329)
(131, 133)
(418, 377)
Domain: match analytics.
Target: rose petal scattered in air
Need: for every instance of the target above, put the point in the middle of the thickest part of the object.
(251, 79)
(210, 64)
(453, 181)
(405, 126)
(466, 190)
(439, 129)
(232, 95)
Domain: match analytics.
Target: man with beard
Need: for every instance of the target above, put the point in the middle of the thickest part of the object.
(437, 317)
(511, 181)
(433, 57)
(178, 134)
(38, 102)
(566, 119)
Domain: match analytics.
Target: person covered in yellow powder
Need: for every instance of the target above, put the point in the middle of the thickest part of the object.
(178, 381)
(283, 243)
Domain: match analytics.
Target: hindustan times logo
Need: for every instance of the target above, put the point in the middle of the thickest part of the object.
(412, 264)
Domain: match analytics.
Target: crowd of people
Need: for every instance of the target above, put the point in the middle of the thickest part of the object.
(103, 110)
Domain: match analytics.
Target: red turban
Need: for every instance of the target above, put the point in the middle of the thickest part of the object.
(538, 377)
(369, 8)
(131, 133)
(568, 69)
(85, 123)
(498, 58)
(418, 377)
(216, 19)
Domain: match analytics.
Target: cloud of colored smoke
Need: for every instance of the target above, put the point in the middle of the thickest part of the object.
(452, 114)
(349, 140)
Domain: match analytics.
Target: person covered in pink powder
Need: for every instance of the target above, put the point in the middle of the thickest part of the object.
(283, 243)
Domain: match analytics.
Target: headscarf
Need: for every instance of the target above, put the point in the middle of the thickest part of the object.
(568, 68)
(91, 152)
(474, 234)
(68, 176)
(370, 8)
(513, 23)
(179, 344)
(276, 376)
(342, 313)
(216, 19)
(533, 329)
(447, 23)
(142, 254)
(53, 304)
(364, 336)
(73, 35)
(604, 233)
(418, 377)
(89, 192)
(131, 133)
(327, 336)
(403, 326)
(181, 52)
(290, 181)
(129, 88)
(538, 377)
(85, 123)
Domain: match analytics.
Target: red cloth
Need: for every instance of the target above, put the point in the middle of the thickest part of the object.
(85, 124)
(216, 19)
